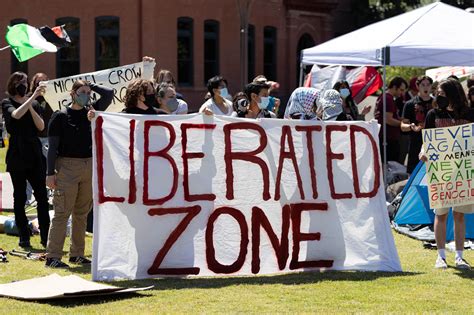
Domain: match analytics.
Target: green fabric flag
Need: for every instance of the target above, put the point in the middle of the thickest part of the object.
(27, 42)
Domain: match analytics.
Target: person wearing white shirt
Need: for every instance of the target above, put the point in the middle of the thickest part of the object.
(218, 104)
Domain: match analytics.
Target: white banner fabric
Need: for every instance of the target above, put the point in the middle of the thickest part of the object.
(58, 91)
(211, 195)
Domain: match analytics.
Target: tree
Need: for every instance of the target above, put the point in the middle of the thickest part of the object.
(370, 11)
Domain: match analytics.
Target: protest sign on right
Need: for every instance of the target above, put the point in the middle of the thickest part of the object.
(450, 167)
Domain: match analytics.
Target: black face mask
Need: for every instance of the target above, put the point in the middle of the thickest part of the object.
(21, 89)
(150, 100)
(442, 102)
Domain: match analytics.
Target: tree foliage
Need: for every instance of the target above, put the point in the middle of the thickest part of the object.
(370, 11)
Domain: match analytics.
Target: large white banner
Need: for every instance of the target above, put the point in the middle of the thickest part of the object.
(58, 91)
(203, 195)
(450, 165)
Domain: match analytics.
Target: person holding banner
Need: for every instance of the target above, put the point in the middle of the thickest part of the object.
(167, 100)
(217, 104)
(24, 159)
(332, 108)
(302, 104)
(165, 76)
(452, 110)
(70, 170)
(258, 96)
(140, 98)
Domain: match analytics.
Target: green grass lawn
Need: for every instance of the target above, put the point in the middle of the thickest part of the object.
(3, 151)
(419, 289)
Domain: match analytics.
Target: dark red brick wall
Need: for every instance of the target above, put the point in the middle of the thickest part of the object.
(148, 27)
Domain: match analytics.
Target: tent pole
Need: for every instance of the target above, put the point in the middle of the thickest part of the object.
(384, 125)
(301, 74)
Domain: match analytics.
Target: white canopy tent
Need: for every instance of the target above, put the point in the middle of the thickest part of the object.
(434, 35)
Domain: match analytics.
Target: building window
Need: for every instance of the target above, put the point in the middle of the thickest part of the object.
(15, 64)
(211, 49)
(251, 53)
(306, 41)
(270, 52)
(107, 48)
(185, 51)
(67, 58)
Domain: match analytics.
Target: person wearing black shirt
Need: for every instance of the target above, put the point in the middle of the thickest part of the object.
(414, 112)
(452, 110)
(24, 159)
(70, 171)
(140, 98)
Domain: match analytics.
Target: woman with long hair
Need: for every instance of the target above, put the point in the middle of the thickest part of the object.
(140, 98)
(24, 159)
(348, 103)
(452, 110)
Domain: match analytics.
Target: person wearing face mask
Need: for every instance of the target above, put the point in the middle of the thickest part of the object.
(218, 104)
(451, 110)
(24, 159)
(140, 98)
(166, 76)
(350, 107)
(168, 102)
(69, 170)
(413, 119)
(274, 102)
(257, 94)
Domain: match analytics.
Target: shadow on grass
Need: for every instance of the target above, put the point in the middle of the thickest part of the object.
(467, 274)
(82, 269)
(215, 283)
(90, 300)
(286, 279)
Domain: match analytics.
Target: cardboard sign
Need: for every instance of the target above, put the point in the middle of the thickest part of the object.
(212, 195)
(55, 286)
(58, 91)
(450, 166)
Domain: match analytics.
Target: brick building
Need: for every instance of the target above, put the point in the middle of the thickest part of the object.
(195, 39)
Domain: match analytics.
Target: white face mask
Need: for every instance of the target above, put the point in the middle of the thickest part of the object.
(344, 93)
(224, 93)
(263, 102)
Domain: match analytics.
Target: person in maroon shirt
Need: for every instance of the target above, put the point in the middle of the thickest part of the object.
(414, 114)
(396, 88)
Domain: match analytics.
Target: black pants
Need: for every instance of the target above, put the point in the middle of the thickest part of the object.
(393, 150)
(37, 178)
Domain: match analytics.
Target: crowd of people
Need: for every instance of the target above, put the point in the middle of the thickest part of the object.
(54, 150)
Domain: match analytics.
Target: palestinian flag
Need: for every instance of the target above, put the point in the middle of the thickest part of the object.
(363, 81)
(27, 41)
